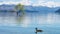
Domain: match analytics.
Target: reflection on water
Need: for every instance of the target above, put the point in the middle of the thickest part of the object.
(48, 22)
(29, 19)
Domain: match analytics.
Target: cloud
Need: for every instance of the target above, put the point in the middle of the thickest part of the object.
(24, 2)
(52, 4)
(34, 3)
(10, 2)
(47, 3)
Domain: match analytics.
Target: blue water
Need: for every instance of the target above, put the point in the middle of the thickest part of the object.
(49, 23)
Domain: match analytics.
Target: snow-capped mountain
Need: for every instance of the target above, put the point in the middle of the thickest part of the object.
(41, 9)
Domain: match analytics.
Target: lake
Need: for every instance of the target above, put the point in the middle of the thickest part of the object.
(48, 22)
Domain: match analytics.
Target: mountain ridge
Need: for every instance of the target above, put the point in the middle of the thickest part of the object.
(30, 8)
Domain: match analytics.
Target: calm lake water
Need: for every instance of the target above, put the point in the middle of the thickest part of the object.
(48, 22)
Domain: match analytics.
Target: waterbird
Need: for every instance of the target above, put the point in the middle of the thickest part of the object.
(38, 30)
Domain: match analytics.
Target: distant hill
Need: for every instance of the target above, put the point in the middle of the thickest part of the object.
(7, 7)
(58, 11)
(40, 9)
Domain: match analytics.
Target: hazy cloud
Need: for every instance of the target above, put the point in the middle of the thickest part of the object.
(36, 3)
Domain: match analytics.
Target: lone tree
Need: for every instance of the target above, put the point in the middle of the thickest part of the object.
(19, 8)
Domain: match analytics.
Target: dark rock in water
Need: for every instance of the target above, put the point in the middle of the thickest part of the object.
(58, 11)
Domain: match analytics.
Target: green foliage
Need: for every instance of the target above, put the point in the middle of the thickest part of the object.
(20, 7)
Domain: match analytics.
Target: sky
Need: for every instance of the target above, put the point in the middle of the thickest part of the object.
(48, 3)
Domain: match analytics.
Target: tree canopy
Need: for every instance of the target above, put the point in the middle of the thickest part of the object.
(20, 8)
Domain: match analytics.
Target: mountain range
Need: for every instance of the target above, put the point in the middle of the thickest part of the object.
(41, 9)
